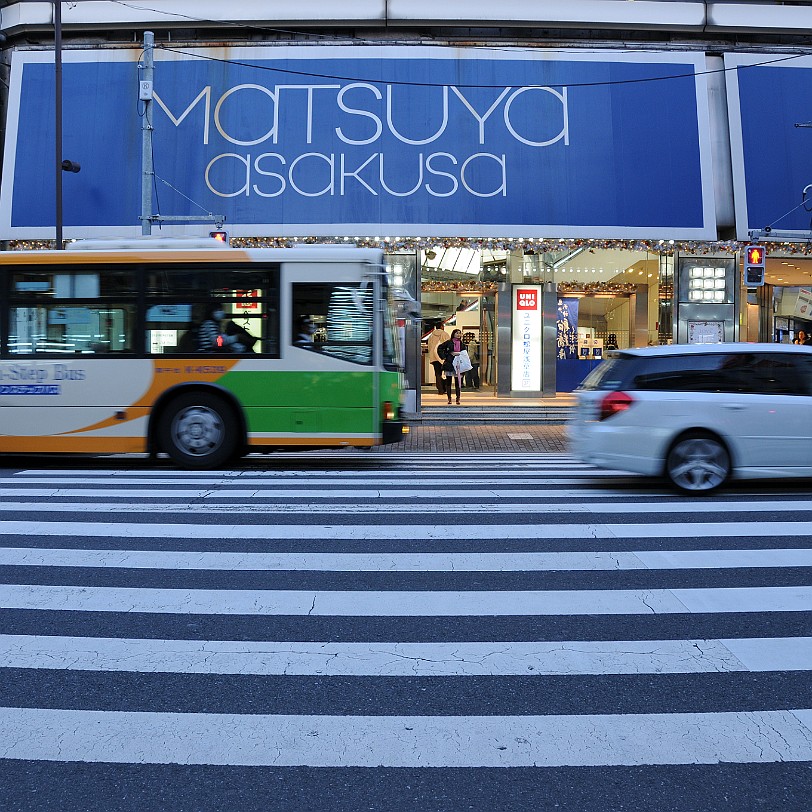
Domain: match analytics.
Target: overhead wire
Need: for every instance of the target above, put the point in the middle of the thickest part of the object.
(357, 79)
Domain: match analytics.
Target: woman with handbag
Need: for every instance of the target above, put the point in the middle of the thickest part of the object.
(449, 351)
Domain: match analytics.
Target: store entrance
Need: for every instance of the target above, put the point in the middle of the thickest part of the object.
(781, 311)
(589, 325)
(473, 313)
(458, 291)
(606, 298)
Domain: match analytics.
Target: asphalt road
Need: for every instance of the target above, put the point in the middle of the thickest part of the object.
(428, 631)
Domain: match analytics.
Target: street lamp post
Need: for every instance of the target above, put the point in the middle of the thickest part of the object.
(58, 119)
(60, 166)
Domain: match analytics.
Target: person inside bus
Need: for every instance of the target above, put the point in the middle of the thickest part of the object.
(245, 341)
(210, 337)
(803, 339)
(305, 328)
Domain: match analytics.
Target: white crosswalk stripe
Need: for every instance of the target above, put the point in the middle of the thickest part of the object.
(403, 532)
(406, 562)
(394, 741)
(384, 502)
(444, 603)
(362, 572)
(407, 659)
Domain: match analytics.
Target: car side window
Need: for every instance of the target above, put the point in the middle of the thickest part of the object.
(798, 369)
(736, 373)
(769, 374)
(680, 373)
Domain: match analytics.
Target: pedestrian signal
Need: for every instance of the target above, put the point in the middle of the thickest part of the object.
(755, 261)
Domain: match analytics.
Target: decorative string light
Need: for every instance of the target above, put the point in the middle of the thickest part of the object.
(596, 287)
(31, 245)
(526, 244)
(529, 245)
(469, 285)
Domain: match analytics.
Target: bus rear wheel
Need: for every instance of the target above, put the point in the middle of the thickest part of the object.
(199, 430)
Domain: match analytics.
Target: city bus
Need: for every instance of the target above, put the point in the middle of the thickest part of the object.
(101, 350)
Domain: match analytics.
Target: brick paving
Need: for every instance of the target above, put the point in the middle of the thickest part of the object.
(479, 437)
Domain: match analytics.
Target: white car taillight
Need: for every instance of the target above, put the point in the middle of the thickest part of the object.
(613, 403)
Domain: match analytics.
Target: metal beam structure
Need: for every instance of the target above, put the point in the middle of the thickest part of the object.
(755, 16)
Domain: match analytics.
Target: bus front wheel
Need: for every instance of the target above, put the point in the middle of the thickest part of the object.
(199, 430)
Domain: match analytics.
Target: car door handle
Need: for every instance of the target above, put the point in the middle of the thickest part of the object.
(734, 407)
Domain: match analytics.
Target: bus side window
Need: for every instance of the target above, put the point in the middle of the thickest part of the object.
(341, 317)
(178, 297)
(165, 326)
(78, 329)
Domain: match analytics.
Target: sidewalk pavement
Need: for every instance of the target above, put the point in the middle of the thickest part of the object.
(479, 437)
(483, 433)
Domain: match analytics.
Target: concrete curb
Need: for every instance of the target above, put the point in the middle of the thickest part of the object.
(491, 416)
(477, 437)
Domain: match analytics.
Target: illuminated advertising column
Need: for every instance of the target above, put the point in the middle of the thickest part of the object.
(526, 339)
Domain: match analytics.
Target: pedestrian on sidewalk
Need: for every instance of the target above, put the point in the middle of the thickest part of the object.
(472, 376)
(436, 337)
(448, 351)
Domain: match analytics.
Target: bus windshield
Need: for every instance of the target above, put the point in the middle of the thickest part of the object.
(393, 336)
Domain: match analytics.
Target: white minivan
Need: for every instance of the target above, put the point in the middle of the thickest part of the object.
(698, 414)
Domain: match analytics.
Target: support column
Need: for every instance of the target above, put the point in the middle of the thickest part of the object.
(504, 328)
(766, 317)
(640, 316)
(549, 337)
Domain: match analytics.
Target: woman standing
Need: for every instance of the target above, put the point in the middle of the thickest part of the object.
(448, 351)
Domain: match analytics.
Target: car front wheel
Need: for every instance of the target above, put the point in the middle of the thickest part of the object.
(698, 463)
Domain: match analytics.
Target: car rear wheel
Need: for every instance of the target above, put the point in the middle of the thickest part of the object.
(199, 430)
(698, 463)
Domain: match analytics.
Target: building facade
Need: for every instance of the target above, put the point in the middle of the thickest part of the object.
(554, 186)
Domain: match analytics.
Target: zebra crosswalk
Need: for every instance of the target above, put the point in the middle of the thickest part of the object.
(409, 616)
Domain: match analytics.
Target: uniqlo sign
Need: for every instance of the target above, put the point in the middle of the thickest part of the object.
(525, 357)
(527, 299)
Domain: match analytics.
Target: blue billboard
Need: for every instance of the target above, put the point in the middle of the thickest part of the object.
(339, 141)
(768, 98)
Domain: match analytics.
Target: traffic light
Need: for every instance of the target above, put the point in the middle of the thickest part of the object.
(755, 261)
(220, 236)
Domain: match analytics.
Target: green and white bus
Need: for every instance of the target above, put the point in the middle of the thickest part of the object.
(100, 350)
